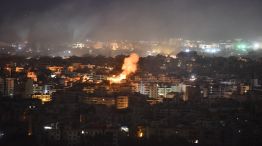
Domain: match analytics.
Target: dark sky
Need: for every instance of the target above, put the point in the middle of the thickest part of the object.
(67, 20)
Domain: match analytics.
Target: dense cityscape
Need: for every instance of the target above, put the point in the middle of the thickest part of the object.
(130, 73)
(190, 99)
(168, 47)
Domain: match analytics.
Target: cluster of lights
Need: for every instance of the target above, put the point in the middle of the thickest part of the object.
(244, 46)
(32, 107)
(78, 45)
(212, 50)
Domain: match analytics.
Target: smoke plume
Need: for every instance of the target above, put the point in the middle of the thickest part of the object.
(129, 66)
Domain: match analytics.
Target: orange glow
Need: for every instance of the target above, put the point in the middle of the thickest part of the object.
(55, 68)
(32, 75)
(19, 69)
(117, 79)
(140, 134)
(43, 98)
(129, 66)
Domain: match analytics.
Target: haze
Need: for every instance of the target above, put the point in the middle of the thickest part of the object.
(67, 20)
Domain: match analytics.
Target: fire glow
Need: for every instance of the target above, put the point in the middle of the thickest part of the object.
(129, 66)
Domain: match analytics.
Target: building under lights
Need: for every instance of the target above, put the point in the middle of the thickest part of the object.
(43, 97)
(122, 102)
(7, 86)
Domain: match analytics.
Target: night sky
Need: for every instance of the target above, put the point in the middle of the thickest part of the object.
(71, 20)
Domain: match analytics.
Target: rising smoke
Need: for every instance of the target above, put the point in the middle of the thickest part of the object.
(129, 67)
(65, 20)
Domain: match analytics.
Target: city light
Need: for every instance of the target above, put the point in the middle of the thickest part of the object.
(187, 50)
(256, 46)
(82, 132)
(242, 46)
(140, 134)
(212, 50)
(192, 78)
(124, 128)
(1, 134)
(196, 141)
(48, 127)
(53, 76)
